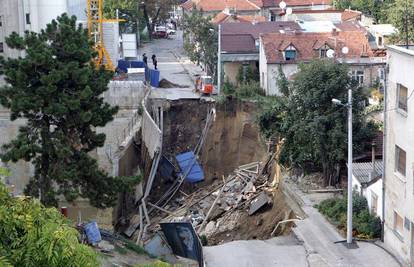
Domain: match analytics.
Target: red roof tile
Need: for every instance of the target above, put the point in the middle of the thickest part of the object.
(349, 14)
(240, 37)
(219, 5)
(307, 44)
(275, 3)
(225, 17)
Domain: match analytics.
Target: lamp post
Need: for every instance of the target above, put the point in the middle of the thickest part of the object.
(349, 211)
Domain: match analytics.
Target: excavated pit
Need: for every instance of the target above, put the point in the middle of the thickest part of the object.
(233, 140)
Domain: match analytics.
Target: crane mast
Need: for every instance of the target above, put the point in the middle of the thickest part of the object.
(95, 31)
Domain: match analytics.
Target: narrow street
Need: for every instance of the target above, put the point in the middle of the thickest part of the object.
(173, 65)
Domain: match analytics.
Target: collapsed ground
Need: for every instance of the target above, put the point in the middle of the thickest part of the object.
(240, 170)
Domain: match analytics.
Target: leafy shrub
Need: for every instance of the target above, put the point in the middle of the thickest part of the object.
(32, 235)
(365, 224)
(228, 88)
(249, 90)
(158, 264)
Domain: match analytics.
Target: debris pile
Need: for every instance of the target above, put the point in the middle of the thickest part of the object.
(223, 206)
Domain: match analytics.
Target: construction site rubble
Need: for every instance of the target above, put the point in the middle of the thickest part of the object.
(221, 207)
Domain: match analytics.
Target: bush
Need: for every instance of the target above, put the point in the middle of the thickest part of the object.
(249, 90)
(32, 235)
(365, 224)
(228, 88)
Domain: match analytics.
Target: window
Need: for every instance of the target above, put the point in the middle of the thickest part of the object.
(323, 51)
(380, 41)
(400, 160)
(1, 21)
(402, 94)
(358, 75)
(1, 47)
(398, 224)
(407, 223)
(28, 18)
(374, 203)
(290, 53)
(257, 44)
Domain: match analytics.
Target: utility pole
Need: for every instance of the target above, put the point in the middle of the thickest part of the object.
(219, 61)
(349, 210)
(349, 214)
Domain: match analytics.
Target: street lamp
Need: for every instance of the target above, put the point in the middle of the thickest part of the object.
(349, 212)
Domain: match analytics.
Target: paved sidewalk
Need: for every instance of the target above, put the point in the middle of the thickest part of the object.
(319, 237)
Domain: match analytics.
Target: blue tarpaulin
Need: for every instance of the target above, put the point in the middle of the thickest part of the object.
(184, 160)
(92, 233)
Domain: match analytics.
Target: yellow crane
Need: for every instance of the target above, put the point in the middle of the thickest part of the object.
(95, 30)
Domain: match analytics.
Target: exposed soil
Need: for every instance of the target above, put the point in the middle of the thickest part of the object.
(233, 140)
(240, 226)
(164, 83)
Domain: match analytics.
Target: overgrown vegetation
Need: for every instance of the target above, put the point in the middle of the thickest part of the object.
(365, 225)
(144, 14)
(373, 8)
(313, 129)
(158, 264)
(247, 74)
(200, 40)
(401, 15)
(32, 235)
(58, 89)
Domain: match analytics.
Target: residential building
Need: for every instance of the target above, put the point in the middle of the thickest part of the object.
(367, 181)
(212, 8)
(33, 15)
(399, 154)
(286, 49)
(272, 10)
(333, 15)
(240, 44)
(21, 15)
(379, 35)
(227, 16)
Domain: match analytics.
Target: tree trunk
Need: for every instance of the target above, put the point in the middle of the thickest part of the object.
(45, 183)
(147, 21)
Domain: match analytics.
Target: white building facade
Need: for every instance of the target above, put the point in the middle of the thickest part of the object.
(399, 155)
(26, 15)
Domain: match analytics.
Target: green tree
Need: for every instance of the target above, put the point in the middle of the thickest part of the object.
(374, 8)
(313, 129)
(58, 90)
(282, 82)
(401, 15)
(32, 235)
(200, 40)
(139, 12)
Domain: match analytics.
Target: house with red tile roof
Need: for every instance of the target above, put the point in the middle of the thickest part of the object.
(285, 50)
(334, 15)
(240, 44)
(226, 16)
(272, 10)
(213, 7)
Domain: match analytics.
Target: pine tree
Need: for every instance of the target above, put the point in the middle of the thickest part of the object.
(57, 88)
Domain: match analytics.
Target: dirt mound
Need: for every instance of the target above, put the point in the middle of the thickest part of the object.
(164, 83)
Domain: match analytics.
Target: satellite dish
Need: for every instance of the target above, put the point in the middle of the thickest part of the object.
(345, 50)
(289, 11)
(282, 5)
(330, 53)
